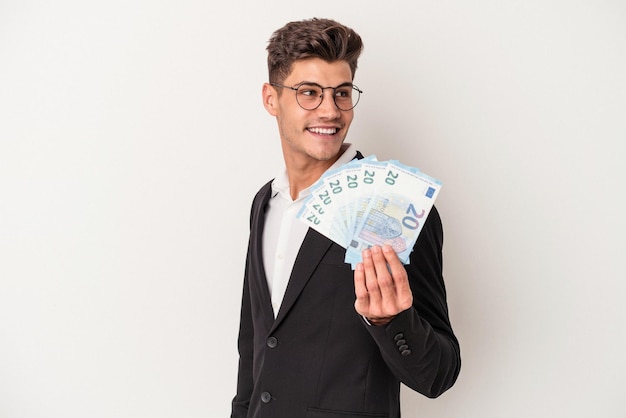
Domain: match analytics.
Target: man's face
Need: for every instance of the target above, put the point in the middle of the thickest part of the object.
(311, 136)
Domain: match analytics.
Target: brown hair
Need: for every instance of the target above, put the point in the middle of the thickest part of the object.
(312, 38)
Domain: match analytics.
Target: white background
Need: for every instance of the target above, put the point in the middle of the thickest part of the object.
(132, 140)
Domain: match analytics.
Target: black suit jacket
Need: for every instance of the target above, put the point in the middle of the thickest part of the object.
(319, 358)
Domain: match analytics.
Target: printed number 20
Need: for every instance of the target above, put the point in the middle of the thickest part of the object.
(410, 221)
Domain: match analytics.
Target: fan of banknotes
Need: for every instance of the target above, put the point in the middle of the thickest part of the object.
(368, 202)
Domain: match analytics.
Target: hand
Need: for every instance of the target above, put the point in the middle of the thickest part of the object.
(381, 285)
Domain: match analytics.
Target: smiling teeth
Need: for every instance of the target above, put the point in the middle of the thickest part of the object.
(324, 131)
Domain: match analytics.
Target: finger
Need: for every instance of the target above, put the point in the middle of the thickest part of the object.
(360, 290)
(384, 279)
(371, 282)
(399, 277)
(395, 266)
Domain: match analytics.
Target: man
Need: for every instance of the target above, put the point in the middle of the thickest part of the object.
(317, 339)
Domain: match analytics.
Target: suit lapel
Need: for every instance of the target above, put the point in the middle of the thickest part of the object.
(313, 248)
(260, 289)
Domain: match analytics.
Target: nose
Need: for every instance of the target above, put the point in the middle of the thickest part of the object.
(328, 108)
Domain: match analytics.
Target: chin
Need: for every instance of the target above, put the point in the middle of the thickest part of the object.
(327, 153)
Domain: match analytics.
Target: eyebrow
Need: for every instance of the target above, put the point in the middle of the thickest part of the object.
(345, 83)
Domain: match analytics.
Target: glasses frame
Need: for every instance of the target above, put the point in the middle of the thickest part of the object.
(334, 89)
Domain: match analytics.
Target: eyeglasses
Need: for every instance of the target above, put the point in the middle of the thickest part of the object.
(310, 95)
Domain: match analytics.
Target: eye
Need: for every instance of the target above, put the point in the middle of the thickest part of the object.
(343, 93)
(309, 91)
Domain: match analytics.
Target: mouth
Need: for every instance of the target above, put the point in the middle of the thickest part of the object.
(323, 131)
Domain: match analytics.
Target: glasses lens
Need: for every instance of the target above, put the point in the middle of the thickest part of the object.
(309, 96)
(346, 97)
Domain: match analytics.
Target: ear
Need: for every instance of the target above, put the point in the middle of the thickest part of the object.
(270, 99)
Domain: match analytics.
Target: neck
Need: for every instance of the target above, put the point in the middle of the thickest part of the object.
(302, 176)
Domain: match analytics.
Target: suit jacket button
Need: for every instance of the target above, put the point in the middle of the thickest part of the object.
(406, 352)
(400, 342)
(398, 336)
(266, 397)
(403, 348)
(272, 342)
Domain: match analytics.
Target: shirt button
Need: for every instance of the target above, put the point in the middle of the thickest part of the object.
(272, 342)
(266, 397)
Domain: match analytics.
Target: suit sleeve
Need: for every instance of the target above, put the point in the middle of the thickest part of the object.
(245, 341)
(419, 345)
(241, 401)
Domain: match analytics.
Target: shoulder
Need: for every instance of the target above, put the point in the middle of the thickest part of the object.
(263, 192)
(429, 243)
(260, 200)
(433, 221)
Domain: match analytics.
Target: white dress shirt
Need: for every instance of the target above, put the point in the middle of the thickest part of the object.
(283, 233)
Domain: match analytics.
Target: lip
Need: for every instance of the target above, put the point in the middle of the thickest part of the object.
(324, 130)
